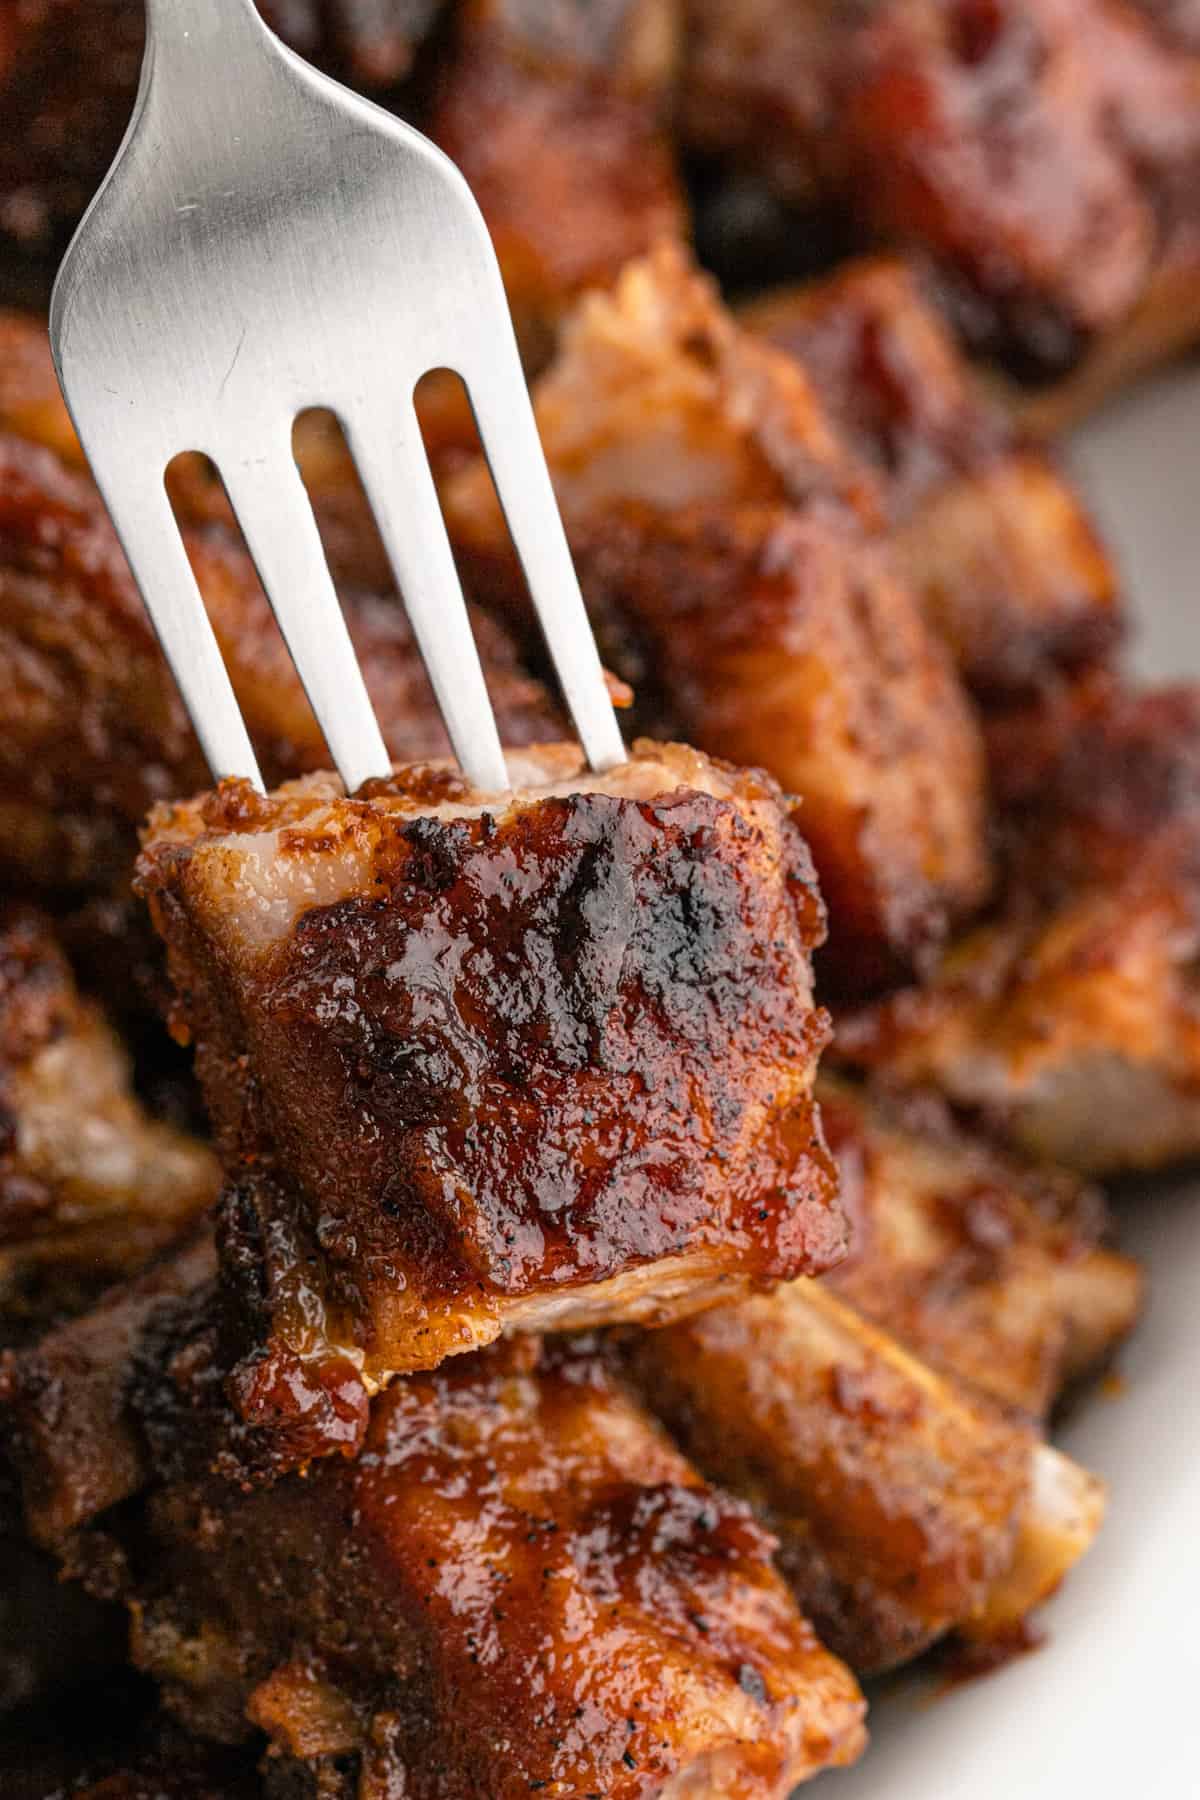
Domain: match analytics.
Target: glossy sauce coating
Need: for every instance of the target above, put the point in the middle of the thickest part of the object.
(519, 1585)
(1039, 153)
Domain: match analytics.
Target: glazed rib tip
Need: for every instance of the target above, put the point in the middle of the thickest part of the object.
(907, 1506)
(520, 1584)
(486, 1062)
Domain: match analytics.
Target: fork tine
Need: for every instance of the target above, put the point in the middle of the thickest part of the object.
(277, 522)
(392, 462)
(504, 414)
(149, 535)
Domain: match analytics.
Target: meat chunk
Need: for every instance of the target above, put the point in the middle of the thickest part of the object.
(988, 531)
(719, 522)
(1040, 152)
(901, 1501)
(75, 643)
(74, 1449)
(536, 1061)
(995, 1270)
(90, 1187)
(1068, 1021)
(536, 1590)
(518, 1581)
(557, 117)
(657, 398)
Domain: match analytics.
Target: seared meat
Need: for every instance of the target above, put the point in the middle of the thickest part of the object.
(657, 398)
(69, 73)
(74, 1449)
(1041, 152)
(988, 531)
(1070, 1021)
(519, 1581)
(536, 1590)
(684, 453)
(905, 1506)
(90, 1187)
(75, 643)
(474, 1064)
(557, 117)
(993, 1269)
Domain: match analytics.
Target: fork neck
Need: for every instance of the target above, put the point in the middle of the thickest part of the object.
(213, 29)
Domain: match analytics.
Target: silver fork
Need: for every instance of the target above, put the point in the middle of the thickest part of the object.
(266, 241)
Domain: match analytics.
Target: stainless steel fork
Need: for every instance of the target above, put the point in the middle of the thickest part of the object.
(266, 241)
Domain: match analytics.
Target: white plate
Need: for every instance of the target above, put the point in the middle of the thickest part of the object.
(1110, 1707)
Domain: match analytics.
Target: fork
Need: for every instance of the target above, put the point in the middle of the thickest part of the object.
(267, 241)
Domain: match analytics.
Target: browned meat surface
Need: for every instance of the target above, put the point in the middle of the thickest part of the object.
(75, 643)
(1041, 153)
(657, 398)
(903, 1504)
(73, 1447)
(988, 531)
(534, 1061)
(69, 73)
(90, 1187)
(518, 1582)
(993, 1269)
(557, 117)
(717, 518)
(1070, 1021)
(536, 1591)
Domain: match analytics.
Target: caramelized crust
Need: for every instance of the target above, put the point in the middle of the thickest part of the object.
(536, 1592)
(1071, 1020)
(901, 1501)
(1040, 152)
(684, 453)
(90, 1187)
(556, 117)
(540, 1060)
(987, 530)
(75, 643)
(518, 1583)
(992, 1269)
